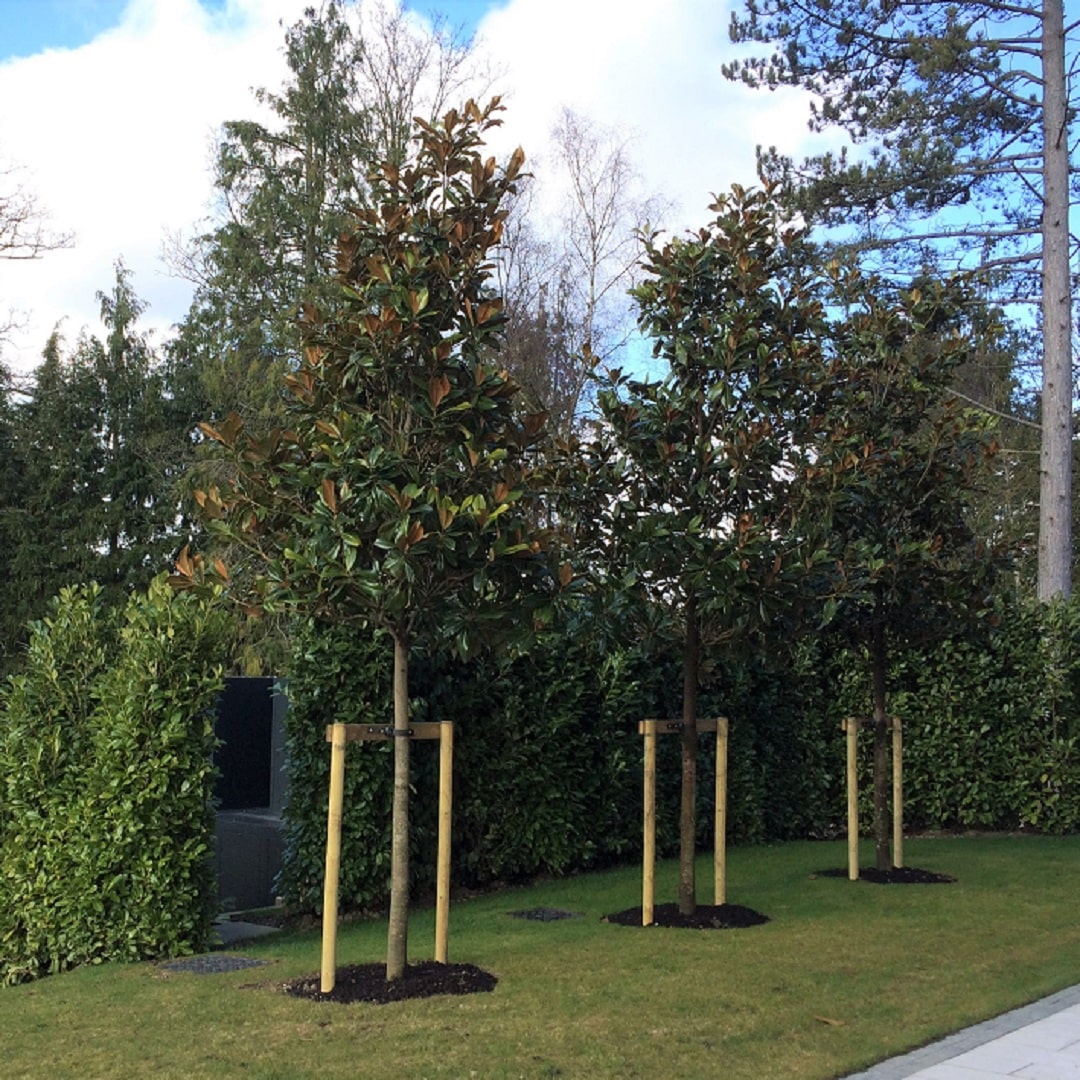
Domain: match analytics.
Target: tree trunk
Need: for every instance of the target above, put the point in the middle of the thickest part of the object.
(882, 777)
(398, 933)
(1055, 472)
(688, 808)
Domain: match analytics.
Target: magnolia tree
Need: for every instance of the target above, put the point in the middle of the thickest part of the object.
(894, 472)
(702, 517)
(398, 496)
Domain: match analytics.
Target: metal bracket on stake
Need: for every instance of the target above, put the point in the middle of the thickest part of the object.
(376, 732)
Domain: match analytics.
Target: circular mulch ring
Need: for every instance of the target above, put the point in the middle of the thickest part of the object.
(705, 917)
(367, 982)
(898, 875)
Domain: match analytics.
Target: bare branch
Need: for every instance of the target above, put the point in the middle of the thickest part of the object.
(24, 225)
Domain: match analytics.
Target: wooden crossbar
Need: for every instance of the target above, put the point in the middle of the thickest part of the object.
(672, 727)
(375, 732)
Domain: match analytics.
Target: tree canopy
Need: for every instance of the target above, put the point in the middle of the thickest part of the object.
(285, 188)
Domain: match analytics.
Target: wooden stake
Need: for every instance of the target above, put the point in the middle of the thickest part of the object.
(898, 791)
(720, 838)
(336, 734)
(442, 877)
(851, 726)
(650, 729)
(345, 734)
(648, 883)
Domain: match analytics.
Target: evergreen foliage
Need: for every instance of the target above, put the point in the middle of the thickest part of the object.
(339, 674)
(106, 779)
(944, 104)
(990, 726)
(358, 74)
(548, 768)
(98, 445)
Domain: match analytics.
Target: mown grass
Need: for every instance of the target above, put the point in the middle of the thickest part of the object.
(845, 974)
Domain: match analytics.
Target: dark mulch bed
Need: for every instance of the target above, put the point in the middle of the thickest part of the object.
(706, 917)
(367, 982)
(898, 875)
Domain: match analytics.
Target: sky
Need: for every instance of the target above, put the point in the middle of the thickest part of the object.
(109, 111)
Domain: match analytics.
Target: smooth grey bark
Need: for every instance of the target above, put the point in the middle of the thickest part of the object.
(1055, 469)
(398, 933)
(688, 805)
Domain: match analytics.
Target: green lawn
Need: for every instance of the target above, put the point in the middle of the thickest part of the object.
(844, 974)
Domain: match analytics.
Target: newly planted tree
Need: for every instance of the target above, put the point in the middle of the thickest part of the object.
(702, 462)
(894, 472)
(398, 497)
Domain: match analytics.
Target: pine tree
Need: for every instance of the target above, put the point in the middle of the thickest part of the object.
(57, 443)
(12, 519)
(966, 112)
(143, 433)
(100, 441)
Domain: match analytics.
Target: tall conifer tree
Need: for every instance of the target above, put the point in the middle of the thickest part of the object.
(357, 74)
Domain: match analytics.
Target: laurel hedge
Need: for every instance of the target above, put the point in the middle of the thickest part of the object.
(106, 781)
(548, 766)
(106, 818)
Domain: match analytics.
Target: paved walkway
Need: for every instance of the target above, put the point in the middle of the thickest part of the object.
(230, 932)
(1041, 1041)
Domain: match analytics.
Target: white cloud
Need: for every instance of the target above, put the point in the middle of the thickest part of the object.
(116, 136)
(116, 139)
(652, 70)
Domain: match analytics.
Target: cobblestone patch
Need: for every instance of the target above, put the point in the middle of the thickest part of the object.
(212, 964)
(544, 914)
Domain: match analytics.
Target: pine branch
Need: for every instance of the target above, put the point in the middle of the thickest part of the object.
(983, 407)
